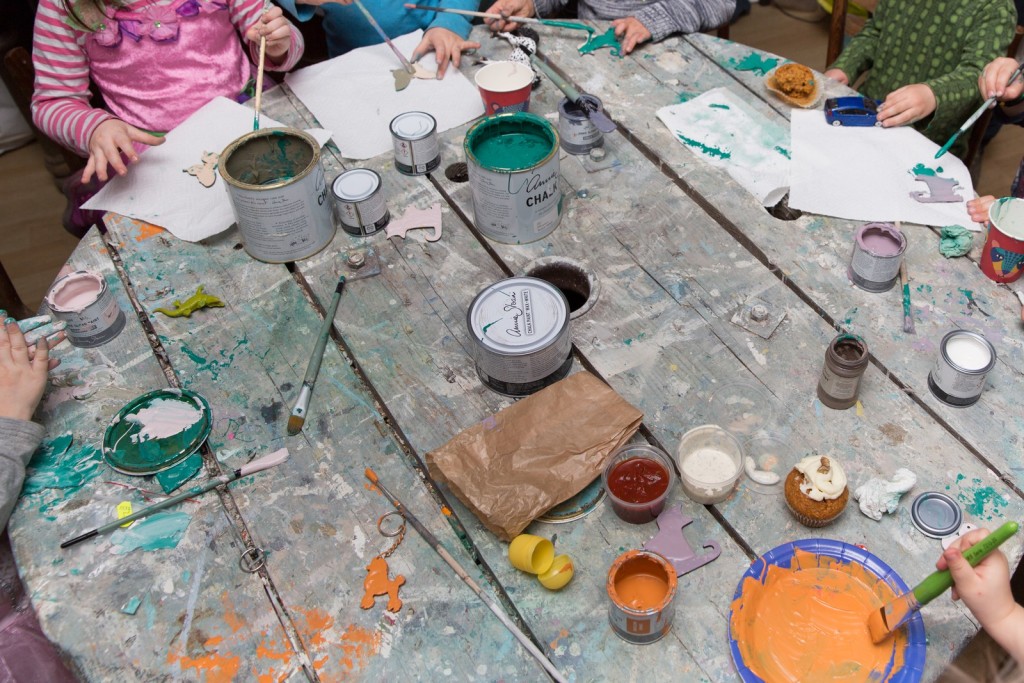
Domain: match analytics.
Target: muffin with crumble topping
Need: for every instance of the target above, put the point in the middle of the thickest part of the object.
(816, 491)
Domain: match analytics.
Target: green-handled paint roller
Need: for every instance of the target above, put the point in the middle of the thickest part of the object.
(976, 115)
(264, 463)
(891, 616)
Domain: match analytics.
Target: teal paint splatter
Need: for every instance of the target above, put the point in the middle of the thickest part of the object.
(706, 149)
(174, 477)
(921, 169)
(924, 288)
(488, 325)
(783, 151)
(132, 606)
(54, 466)
(756, 63)
(849, 316)
(161, 530)
(982, 502)
(195, 357)
(628, 342)
(686, 96)
(719, 106)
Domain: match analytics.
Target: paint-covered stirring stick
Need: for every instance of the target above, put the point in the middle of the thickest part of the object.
(266, 462)
(298, 416)
(457, 568)
(976, 115)
(884, 621)
(259, 82)
(519, 20)
(376, 27)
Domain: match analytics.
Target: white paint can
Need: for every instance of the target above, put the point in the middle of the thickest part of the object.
(359, 203)
(513, 175)
(577, 132)
(414, 135)
(965, 359)
(83, 300)
(521, 331)
(278, 193)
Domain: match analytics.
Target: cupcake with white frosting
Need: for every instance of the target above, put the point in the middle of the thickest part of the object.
(816, 491)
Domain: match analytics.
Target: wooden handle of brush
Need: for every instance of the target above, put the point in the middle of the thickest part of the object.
(939, 582)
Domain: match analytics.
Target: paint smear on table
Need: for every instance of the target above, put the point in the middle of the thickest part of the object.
(808, 622)
(163, 418)
(161, 530)
(56, 466)
(980, 502)
(759, 64)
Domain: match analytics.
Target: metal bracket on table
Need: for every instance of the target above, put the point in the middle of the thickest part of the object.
(670, 543)
(758, 316)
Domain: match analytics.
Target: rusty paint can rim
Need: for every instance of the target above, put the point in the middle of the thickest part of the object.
(268, 132)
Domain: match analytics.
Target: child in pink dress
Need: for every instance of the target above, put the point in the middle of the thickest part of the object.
(155, 62)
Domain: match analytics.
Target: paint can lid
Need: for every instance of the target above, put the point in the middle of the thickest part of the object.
(156, 431)
(577, 507)
(413, 125)
(518, 316)
(356, 185)
(936, 514)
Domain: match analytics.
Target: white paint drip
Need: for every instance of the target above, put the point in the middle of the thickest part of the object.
(163, 418)
(758, 356)
(760, 476)
(359, 542)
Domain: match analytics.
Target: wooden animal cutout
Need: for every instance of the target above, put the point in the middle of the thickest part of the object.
(377, 583)
(205, 172)
(416, 218)
(940, 190)
(403, 77)
(670, 543)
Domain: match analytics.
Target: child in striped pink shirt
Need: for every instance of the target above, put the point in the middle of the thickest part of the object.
(155, 62)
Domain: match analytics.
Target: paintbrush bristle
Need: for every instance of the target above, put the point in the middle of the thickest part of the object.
(295, 424)
(877, 625)
(371, 475)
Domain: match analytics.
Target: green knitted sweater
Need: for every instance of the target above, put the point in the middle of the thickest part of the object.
(942, 43)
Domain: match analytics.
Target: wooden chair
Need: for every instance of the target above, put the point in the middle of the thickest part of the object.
(844, 23)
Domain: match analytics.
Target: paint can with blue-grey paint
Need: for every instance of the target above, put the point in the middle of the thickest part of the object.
(576, 132)
(278, 193)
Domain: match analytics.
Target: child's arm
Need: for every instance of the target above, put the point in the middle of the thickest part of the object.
(285, 44)
(985, 589)
(859, 54)
(447, 35)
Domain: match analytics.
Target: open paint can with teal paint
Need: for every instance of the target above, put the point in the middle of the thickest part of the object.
(278, 193)
(513, 175)
(156, 431)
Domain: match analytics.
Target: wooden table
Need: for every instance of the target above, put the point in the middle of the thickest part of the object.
(677, 247)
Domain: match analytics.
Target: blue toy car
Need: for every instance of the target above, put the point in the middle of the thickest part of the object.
(851, 111)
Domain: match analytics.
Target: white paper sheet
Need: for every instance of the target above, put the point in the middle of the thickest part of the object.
(866, 173)
(354, 96)
(158, 191)
(723, 131)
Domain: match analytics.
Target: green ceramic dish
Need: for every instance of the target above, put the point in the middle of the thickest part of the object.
(127, 453)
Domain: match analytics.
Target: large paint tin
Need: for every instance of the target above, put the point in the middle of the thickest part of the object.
(578, 135)
(642, 596)
(278, 193)
(513, 174)
(414, 135)
(965, 358)
(359, 202)
(521, 329)
(83, 300)
(877, 254)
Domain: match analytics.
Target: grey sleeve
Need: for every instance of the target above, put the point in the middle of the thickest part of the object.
(18, 441)
(545, 8)
(684, 16)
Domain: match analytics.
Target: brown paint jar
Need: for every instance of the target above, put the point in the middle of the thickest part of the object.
(845, 361)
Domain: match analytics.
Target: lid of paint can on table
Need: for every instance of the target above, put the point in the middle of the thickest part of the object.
(356, 185)
(156, 431)
(936, 515)
(413, 125)
(517, 316)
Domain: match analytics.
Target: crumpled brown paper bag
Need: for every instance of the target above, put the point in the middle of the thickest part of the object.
(517, 464)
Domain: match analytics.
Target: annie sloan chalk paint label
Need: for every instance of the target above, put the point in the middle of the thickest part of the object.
(964, 361)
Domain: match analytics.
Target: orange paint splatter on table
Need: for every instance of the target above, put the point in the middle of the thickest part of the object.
(808, 622)
(147, 230)
(561, 634)
(213, 667)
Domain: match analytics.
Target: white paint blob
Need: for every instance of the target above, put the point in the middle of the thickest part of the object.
(75, 291)
(163, 418)
(709, 466)
(968, 353)
(760, 476)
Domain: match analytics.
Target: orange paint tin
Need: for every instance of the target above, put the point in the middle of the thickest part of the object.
(642, 596)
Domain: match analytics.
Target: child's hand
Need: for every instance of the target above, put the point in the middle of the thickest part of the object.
(631, 32)
(992, 81)
(905, 105)
(509, 8)
(22, 374)
(447, 46)
(108, 142)
(838, 76)
(985, 588)
(276, 28)
(978, 208)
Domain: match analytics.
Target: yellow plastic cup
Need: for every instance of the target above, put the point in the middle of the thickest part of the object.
(531, 553)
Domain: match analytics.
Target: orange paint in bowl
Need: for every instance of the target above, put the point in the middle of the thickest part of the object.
(642, 590)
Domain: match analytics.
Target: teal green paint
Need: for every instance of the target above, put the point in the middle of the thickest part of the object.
(977, 503)
(968, 294)
(162, 530)
(195, 357)
(606, 39)
(783, 151)
(174, 477)
(756, 63)
(955, 240)
(960, 478)
(850, 316)
(76, 572)
(132, 606)
(924, 288)
(706, 149)
(686, 96)
(511, 144)
(54, 466)
(921, 169)
(628, 342)
(488, 325)
(719, 106)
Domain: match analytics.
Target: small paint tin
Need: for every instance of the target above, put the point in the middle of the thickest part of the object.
(359, 203)
(576, 132)
(521, 329)
(965, 358)
(512, 161)
(83, 300)
(642, 596)
(414, 136)
(877, 254)
(936, 515)
(278, 193)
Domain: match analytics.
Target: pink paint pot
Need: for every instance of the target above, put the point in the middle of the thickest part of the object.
(642, 593)
(83, 300)
(877, 254)
(1002, 258)
(505, 87)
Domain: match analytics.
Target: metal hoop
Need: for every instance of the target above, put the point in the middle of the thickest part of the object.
(397, 532)
(252, 560)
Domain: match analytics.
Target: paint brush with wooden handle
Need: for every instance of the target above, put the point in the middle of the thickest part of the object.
(264, 463)
(376, 27)
(977, 114)
(883, 622)
(298, 416)
(457, 568)
(259, 83)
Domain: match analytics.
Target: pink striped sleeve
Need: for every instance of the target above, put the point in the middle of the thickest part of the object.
(245, 13)
(60, 101)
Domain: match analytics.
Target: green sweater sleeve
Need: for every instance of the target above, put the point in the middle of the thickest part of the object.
(859, 54)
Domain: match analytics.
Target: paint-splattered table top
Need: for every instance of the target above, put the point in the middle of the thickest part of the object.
(680, 251)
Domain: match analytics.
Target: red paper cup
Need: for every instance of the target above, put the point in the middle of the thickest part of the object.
(505, 87)
(1002, 259)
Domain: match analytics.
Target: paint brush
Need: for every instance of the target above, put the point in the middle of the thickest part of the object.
(376, 27)
(259, 82)
(596, 116)
(908, 316)
(490, 15)
(298, 416)
(976, 115)
(457, 568)
(884, 621)
(264, 463)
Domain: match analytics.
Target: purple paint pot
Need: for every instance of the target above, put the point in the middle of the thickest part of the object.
(877, 254)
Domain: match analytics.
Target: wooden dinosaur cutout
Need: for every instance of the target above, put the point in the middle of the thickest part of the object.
(205, 171)
(416, 218)
(191, 305)
(377, 583)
